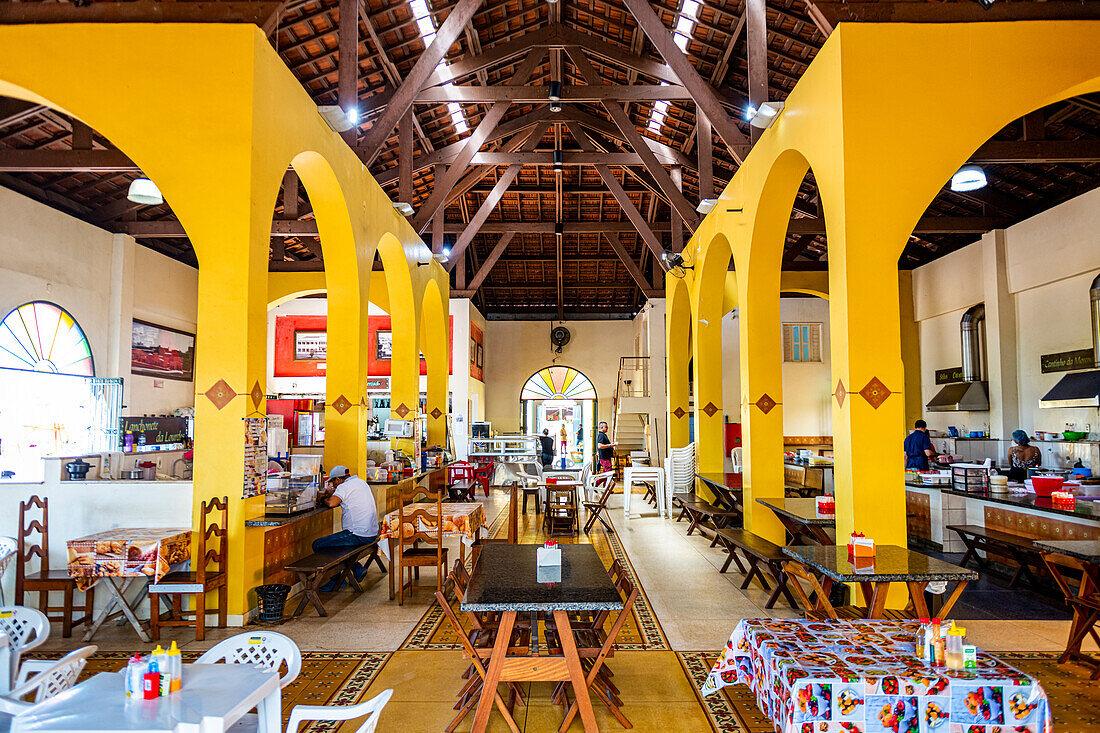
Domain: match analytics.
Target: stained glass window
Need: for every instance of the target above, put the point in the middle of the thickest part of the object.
(39, 336)
(558, 382)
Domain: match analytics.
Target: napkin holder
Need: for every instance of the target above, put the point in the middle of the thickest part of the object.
(548, 573)
(548, 557)
(862, 564)
(826, 506)
(860, 546)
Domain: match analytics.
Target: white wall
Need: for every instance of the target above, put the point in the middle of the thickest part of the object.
(1050, 260)
(514, 350)
(104, 280)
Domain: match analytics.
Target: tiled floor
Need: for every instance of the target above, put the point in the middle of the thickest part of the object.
(695, 609)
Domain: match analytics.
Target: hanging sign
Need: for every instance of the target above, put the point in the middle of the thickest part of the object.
(156, 430)
(378, 384)
(949, 375)
(1066, 361)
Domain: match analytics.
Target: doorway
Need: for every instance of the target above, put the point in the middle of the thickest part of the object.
(561, 401)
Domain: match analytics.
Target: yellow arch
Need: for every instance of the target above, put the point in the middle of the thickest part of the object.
(435, 343)
(678, 338)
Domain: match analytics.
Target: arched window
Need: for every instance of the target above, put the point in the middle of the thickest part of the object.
(558, 382)
(41, 337)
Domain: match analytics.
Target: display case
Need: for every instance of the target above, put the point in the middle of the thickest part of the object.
(287, 494)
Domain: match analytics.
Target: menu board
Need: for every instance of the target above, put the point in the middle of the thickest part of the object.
(157, 430)
(255, 456)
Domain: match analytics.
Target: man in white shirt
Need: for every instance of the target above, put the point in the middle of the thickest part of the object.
(359, 519)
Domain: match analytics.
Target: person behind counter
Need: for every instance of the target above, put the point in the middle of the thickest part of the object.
(1022, 456)
(918, 447)
(359, 520)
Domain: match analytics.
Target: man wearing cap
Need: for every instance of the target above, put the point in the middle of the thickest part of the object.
(359, 519)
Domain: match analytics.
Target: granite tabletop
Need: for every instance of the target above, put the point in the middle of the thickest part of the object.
(729, 480)
(1083, 508)
(802, 510)
(280, 520)
(506, 578)
(891, 564)
(1087, 550)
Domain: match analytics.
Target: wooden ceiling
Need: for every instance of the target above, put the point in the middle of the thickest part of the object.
(498, 205)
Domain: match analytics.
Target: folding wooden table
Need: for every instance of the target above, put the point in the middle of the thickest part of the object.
(1085, 601)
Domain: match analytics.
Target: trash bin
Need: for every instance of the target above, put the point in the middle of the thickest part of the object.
(272, 600)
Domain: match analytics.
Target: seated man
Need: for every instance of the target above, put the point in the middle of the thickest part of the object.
(359, 519)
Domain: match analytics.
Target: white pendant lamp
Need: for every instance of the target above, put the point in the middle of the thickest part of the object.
(144, 191)
(968, 178)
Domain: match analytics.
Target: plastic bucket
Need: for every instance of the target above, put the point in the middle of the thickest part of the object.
(272, 600)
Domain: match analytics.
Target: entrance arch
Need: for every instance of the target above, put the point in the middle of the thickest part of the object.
(557, 398)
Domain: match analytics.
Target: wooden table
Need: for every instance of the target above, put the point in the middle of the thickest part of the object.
(801, 520)
(212, 698)
(463, 520)
(1085, 601)
(505, 580)
(892, 564)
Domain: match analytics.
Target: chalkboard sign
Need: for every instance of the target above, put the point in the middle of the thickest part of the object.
(949, 375)
(157, 430)
(1066, 361)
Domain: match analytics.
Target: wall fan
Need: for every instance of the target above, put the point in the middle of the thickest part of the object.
(559, 337)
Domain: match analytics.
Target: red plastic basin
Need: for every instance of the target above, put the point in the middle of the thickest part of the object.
(1046, 485)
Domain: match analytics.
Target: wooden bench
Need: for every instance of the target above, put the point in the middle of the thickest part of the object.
(761, 555)
(700, 512)
(313, 569)
(1020, 549)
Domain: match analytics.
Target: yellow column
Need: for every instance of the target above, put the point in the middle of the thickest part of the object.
(910, 348)
(435, 342)
(761, 350)
(678, 344)
(707, 362)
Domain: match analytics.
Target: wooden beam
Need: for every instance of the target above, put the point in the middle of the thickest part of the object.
(626, 126)
(756, 44)
(610, 52)
(1038, 151)
(457, 169)
(538, 94)
(631, 267)
(820, 21)
(139, 11)
(347, 94)
(74, 161)
(403, 98)
(405, 159)
(544, 37)
(677, 242)
(632, 213)
(705, 152)
(795, 250)
(486, 267)
(954, 12)
(478, 172)
(14, 111)
(82, 136)
(665, 154)
(703, 93)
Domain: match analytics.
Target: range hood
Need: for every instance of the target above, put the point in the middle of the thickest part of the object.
(1081, 389)
(972, 394)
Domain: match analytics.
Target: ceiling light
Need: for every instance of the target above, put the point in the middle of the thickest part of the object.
(404, 208)
(681, 41)
(337, 118)
(555, 91)
(559, 229)
(555, 106)
(766, 114)
(144, 191)
(968, 178)
(559, 160)
(750, 112)
(706, 205)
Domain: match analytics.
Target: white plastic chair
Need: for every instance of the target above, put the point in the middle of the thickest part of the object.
(55, 679)
(371, 709)
(735, 459)
(265, 649)
(26, 629)
(679, 472)
(8, 547)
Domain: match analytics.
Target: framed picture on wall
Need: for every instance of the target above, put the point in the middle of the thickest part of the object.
(162, 352)
(384, 346)
(310, 345)
(480, 356)
(473, 351)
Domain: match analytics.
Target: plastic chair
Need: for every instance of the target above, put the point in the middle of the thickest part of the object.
(266, 649)
(8, 546)
(735, 459)
(26, 629)
(371, 709)
(55, 679)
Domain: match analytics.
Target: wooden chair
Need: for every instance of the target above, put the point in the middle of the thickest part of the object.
(560, 515)
(46, 580)
(416, 526)
(597, 510)
(210, 573)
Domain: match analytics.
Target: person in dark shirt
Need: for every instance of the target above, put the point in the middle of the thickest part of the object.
(546, 448)
(605, 446)
(918, 447)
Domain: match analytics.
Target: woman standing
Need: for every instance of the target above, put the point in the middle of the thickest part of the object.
(1022, 456)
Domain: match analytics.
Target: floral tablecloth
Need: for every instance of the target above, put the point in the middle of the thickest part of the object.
(864, 677)
(459, 519)
(127, 553)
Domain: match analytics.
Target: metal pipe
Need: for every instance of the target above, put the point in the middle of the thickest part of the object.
(971, 343)
(1094, 309)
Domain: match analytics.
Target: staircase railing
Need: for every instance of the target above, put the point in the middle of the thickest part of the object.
(633, 381)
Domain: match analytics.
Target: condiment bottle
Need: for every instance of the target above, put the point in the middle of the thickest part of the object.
(938, 651)
(175, 667)
(150, 685)
(922, 640)
(135, 672)
(956, 637)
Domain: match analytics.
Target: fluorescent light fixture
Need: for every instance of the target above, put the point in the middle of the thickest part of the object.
(144, 191)
(766, 114)
(968, 178)
(338, 119)
(404, 208)
(706, 205)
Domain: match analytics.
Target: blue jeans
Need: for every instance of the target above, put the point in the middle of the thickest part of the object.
(343, 538)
